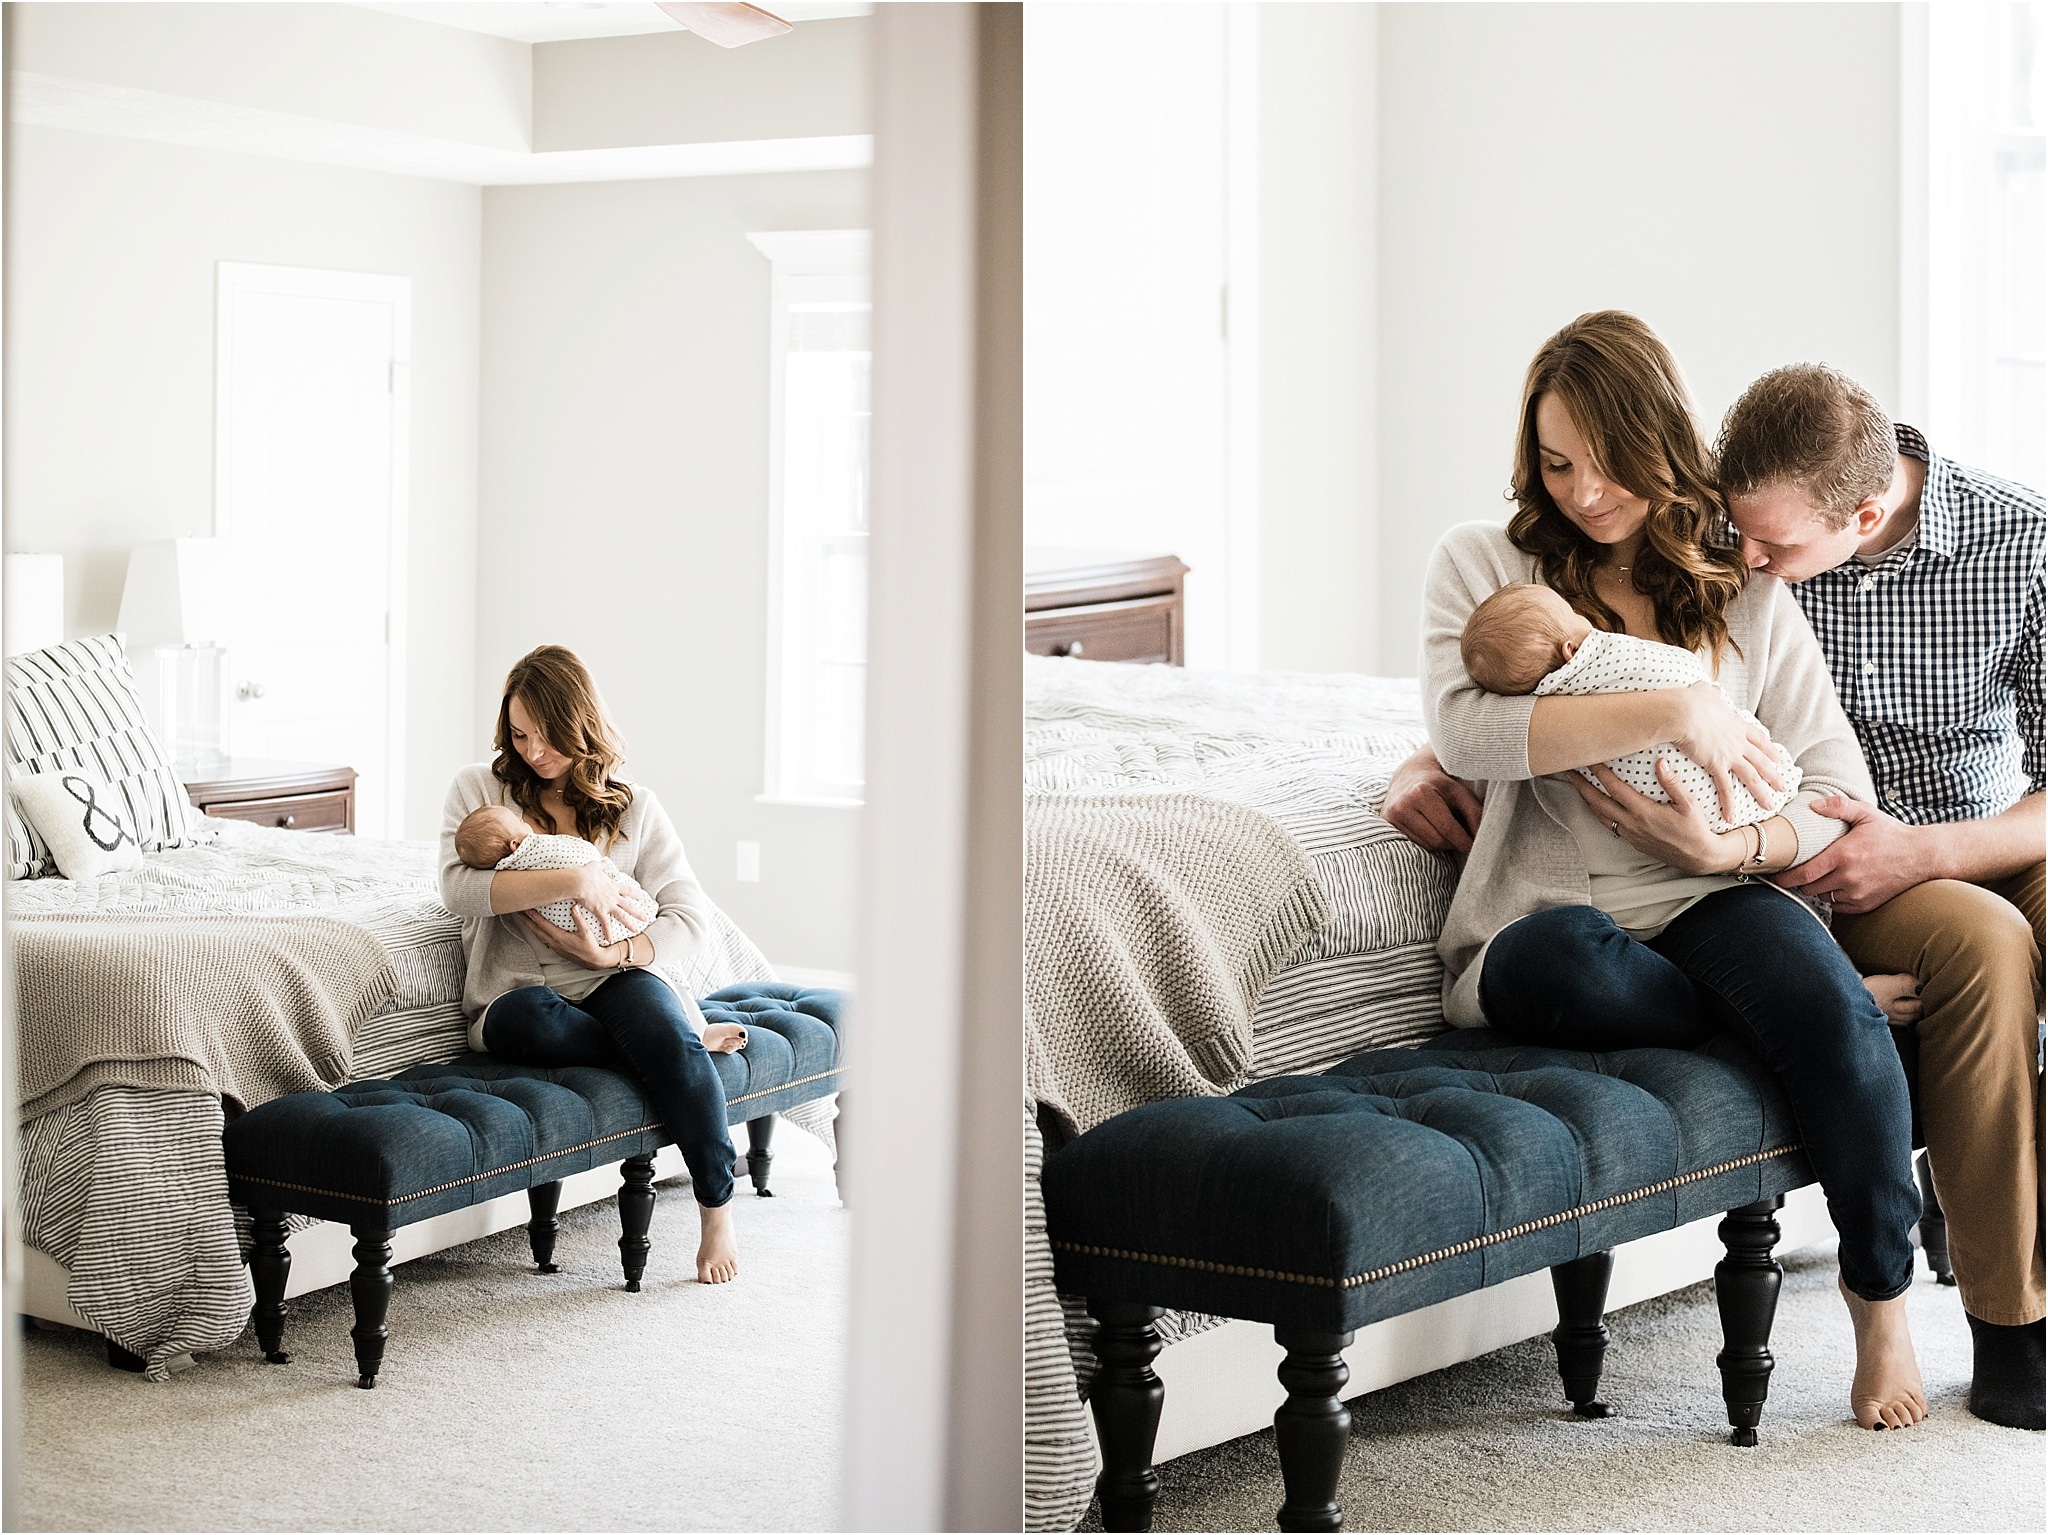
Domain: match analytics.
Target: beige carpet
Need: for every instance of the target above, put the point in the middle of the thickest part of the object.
(509, 1400)
(1488, 1445)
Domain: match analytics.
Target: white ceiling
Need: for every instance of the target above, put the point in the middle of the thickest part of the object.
(554, 21)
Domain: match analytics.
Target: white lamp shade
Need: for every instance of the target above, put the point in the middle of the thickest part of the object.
(33, 602)
(180, 591)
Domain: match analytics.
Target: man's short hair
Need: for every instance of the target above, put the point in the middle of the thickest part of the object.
(1812, 427)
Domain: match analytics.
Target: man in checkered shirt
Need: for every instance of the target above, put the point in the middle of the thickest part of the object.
(1923, 580)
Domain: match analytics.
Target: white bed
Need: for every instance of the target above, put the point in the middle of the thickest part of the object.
(123, 1197)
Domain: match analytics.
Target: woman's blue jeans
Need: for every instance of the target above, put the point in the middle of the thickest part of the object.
(634, 1023)
(1749, 963)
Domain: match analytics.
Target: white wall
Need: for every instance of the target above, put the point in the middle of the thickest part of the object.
(1728, 172)
(624, 503)
(1318, 437)
(109, 364)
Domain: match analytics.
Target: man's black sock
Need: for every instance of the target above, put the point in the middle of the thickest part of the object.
(2007, 1384)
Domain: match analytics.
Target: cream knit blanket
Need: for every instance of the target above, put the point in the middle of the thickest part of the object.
(248, 1008)
(1152, 922)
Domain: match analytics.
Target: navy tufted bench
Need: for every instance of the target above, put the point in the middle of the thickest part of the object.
(378, 1155)
(1399, 1178)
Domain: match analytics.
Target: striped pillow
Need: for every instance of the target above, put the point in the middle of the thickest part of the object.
(74, 706)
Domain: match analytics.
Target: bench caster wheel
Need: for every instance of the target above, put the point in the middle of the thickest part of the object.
(547, 1268)
(1593, 1409)
(1743, 1438)
(632, 1287)
(276, 1356)
(366, 1382)
(121, 1359)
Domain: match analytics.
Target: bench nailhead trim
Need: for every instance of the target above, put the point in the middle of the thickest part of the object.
(510, 1167)
(769, 1092)
(1456, 1250)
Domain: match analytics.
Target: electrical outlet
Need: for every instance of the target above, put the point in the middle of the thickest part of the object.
(750, 863)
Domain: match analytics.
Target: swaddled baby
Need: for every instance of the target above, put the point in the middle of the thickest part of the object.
(494, 837)
(1525, 638)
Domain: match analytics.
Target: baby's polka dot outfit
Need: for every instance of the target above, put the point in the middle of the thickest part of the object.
(1627, 663)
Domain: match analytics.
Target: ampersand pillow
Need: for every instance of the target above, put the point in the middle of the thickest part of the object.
(82, 820)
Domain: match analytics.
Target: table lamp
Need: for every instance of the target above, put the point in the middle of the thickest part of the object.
(175, 609)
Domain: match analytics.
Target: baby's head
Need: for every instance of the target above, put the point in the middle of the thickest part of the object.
(487, 836)
(1517, 635)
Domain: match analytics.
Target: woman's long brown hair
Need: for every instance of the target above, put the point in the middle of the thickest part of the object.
(557, 692)
(1622, 389)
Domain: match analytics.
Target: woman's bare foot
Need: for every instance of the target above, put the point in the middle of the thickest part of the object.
(724, 1038)
(718, 1256)
(1886, 1392)
(1897, 996)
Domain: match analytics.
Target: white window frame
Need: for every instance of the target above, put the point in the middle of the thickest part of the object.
(805, 266)
(1953, 136)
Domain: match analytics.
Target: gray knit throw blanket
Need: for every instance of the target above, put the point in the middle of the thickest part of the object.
(1152, 922)
(248, 1008)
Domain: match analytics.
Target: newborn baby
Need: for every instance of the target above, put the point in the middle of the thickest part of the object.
(1527, 639)
(494, 837)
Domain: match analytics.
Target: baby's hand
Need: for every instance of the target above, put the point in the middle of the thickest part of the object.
(724, 1038)
(1897, 996)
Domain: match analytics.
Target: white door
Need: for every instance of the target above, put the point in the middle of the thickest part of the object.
(309, 481)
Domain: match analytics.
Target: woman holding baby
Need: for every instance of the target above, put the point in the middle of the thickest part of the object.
(586, 995)
(1593, 916)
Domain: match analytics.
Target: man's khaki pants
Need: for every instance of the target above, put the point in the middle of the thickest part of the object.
(1976, 950)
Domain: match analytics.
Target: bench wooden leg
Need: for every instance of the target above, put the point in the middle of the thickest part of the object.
(1125, 1400)
(636, 1215)
(759, 1133)
(1312, 1427)
(1933, 1226)
(1580, 1334)
(270, 1266)
(1746, 1289)
(544, 1200)
(369, 1286)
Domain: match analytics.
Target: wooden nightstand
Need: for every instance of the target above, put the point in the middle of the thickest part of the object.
(1103, 607)
(300, 796)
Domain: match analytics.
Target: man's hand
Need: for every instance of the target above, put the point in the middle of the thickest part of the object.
(1869, 864)
(1436, 812)
(1677, 834)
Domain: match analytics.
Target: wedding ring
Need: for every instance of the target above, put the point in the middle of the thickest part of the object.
(1615, 827)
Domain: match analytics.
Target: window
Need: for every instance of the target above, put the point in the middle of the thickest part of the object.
(818, 514)
(1986, 74)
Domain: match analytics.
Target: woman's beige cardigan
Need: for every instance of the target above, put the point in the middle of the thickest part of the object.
(1523, 858)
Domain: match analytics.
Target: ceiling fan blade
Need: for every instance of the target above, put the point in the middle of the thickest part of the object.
(727, 23)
